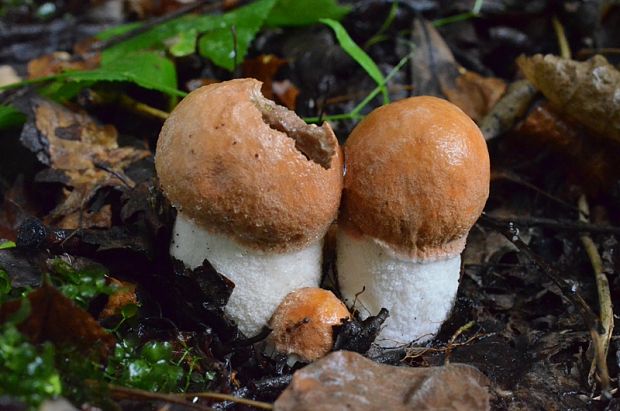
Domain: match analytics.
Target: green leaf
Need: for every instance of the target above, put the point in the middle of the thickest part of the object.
(147, 69)
(5, 284)
(358, 55)
(304, 12)
(185, 44)
(219, 44)
(27, 372)
(117, 31)
(7, 244)
(10, 117)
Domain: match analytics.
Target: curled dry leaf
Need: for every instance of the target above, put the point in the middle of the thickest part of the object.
(586, 91)
(82, 155)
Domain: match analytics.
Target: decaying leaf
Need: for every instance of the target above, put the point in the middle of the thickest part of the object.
(588, 91)
(82, 155)
(53, 317)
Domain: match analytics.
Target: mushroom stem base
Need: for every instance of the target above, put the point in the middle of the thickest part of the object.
(262, 279)
(419, 295)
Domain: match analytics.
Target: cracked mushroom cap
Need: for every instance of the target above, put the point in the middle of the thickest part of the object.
(303, 323)
(236, 163)
(417, 177)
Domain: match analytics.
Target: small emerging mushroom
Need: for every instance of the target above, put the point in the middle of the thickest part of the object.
(417, 179)
(255, 188)
(302, 325)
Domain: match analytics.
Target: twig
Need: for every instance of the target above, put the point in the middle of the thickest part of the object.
(564, 225)
(511, 232)
(517, 179)
(225, 397)
(561, 36)
(182, 398)
(456, 335)
(600, 341)
(134, 393)
(142, 108)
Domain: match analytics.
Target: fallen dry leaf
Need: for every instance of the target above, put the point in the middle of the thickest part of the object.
(286, 93)
(53, 317)
(433, 63)
(82, 155)
(125, 294)
(347, 380)
(585, 91)
(263, 68)
(474, 94)
(435, 72)
(58, 62)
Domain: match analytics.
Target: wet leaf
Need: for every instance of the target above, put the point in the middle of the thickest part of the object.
(53, 317)
(82, 155)
(24, 267)
(585, 91)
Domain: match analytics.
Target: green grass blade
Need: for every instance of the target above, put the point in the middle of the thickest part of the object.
(358, 55)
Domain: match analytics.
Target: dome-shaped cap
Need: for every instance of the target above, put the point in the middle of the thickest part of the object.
(232, 161)
(303, 323)
(417, 177)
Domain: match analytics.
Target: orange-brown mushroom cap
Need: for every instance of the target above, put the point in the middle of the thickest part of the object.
(417, 177)
(303, 323)
(223, 163)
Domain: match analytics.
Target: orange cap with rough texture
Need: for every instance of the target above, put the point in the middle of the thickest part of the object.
(303, 323)
(232, 161)
(417, 177)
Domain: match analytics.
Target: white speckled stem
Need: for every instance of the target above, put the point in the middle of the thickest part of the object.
(261, 279)
(419, 295)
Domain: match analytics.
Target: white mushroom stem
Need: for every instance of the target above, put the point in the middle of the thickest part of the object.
(262, 279)
(418, 294)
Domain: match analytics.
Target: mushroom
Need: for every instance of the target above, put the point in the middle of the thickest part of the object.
(255, 189)
(302, 325)
(417, 179)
